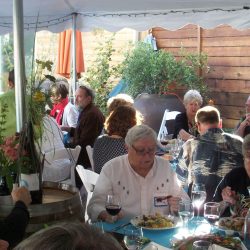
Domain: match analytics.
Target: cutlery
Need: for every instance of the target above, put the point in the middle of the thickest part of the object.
(120, 226)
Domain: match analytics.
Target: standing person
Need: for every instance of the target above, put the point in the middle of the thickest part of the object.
(184, 122)
(243, 127)
(209, 157)
(89, 126)
(145, 182)
(12, 228)
(233, 189)
(8, 99)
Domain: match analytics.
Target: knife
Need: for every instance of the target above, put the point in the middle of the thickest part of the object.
(120, 226)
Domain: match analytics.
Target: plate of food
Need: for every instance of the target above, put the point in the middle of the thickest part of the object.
(155, 222)
(227, 242)
(231, 224)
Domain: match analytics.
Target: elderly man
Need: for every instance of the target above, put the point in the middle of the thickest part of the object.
(208, 158)
(243, 128)
(234, 186)
(89, 126)
(144, 182)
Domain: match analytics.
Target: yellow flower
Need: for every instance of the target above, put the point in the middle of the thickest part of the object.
(39, 96)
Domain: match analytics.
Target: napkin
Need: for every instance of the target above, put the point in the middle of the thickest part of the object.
(149, 246)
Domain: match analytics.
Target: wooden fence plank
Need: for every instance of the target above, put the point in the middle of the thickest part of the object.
(228, 61)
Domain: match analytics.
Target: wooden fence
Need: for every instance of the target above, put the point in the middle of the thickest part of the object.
(228, 53)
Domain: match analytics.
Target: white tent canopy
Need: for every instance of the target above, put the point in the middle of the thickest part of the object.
(113, 15)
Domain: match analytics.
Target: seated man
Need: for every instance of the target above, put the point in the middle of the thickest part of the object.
(12, 229)
(209, 157)
(234, 187)
(243, 127)
(145, 182)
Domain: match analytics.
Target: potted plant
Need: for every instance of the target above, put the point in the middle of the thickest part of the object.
(147, 71)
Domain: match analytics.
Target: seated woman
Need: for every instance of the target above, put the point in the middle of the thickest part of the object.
(112, 144)
(184, 122)
(233, 189)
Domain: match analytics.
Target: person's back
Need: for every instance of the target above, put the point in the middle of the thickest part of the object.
(208, 158)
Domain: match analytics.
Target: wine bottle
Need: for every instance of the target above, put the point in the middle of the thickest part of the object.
(31, 174)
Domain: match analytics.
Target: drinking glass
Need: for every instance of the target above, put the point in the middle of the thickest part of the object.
(186, 211)
(164, 138)
(202, 245)
(198, 196)
(212, 212)
(133, 237)
(113, 205)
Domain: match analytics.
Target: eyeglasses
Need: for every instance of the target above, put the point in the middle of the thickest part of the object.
(142, 152)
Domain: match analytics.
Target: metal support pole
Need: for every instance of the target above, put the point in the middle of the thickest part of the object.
(19, 64)
(74, 74)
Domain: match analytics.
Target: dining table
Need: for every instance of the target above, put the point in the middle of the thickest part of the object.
(165, 237)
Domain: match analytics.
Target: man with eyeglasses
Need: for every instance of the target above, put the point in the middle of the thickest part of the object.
(144, 182)
(243, 127)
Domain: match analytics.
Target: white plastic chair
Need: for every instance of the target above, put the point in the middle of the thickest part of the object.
(59, 165)
(168, 115)
(89, 150)
(89, 179)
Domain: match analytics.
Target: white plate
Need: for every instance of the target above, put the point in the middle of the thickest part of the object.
(135, 221)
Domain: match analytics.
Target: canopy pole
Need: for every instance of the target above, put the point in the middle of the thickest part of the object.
(74, 74)
(19, 63)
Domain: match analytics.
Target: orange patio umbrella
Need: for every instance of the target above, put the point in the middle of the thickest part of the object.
(64, 54)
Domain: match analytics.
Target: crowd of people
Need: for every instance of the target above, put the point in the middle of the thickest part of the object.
(124, 154)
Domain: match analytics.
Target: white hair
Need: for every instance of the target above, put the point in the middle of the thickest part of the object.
(191, 96)
(139, 132)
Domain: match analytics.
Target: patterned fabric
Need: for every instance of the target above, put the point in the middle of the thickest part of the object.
(208, 158)
(105, 149)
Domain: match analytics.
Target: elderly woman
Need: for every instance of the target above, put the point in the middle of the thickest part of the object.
(112, 144)
(144, 182)
(184, 122)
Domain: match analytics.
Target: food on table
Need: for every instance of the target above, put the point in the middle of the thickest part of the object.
(155, 221)
(227, 242)
(230, 223)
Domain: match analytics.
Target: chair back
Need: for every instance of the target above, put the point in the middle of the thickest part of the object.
(167, 123)
(89, 150)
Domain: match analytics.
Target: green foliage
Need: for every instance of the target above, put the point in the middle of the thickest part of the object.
(8, 53)
(101, 73)
(146, 70)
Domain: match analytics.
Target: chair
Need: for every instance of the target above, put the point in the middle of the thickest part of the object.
(167, 124)
(59, 165)
(89, 150)
(89, 179)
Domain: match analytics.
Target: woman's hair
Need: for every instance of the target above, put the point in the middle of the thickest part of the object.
(69, 236)
(192, 96)
(139, 132)
(246, 145)
(120, 121)
(119, 100)
(59, 90)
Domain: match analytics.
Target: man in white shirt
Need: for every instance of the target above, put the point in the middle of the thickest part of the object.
(144, 182)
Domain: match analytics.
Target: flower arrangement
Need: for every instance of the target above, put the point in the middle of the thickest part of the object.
(18, 152)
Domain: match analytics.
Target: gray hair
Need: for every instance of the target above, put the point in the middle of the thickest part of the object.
(192, 95)
(89, 91)
(246, 145)
(70, 236)
(139, 132)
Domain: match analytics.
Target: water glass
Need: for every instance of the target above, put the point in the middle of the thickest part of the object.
(199, 195)
(133, 237)
(186, 211)
(202, 245)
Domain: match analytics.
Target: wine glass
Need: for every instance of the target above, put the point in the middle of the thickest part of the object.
(186, 211)
(113, 205)
(199, 196)
(133, 237)
(212, 212)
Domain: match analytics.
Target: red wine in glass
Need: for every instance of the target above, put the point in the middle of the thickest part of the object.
(113, 204)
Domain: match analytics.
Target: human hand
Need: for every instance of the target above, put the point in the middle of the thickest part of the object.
(184, 135)
(21, 194)
(105, 216)
(4, 245)
(229, 195)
